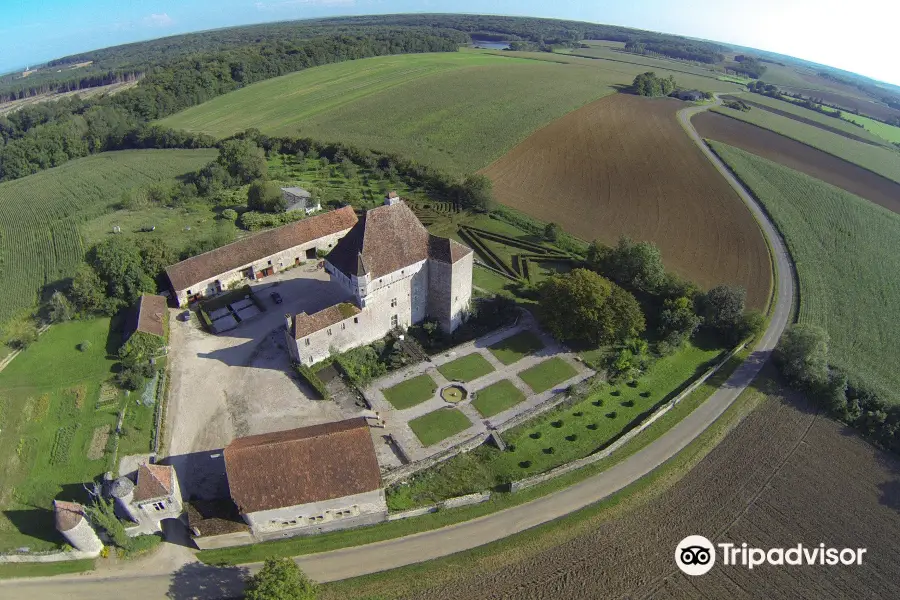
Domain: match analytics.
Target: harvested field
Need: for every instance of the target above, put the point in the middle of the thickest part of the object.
(800, 157)
(783, 476)
(832, 124)
(623, 166)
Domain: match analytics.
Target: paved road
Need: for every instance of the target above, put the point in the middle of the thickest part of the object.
(197, 581)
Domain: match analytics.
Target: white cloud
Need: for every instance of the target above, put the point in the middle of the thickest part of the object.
(291, 4)
(158, 20)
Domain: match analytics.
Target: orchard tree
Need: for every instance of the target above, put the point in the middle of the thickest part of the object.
(243, 159)
(265, 196)
(581, 306)
(120, 266)
(280, 579)
(633, 265)
(678, 321)
(802, 356)
(552, 232)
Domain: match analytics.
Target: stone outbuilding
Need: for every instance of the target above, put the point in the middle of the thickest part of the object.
(258, 256)
(307, 480)
(154, 497)
(296, 198)
(398, 275)
(149, 316)
(72, 523)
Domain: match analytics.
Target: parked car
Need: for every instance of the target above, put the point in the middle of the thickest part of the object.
(276, 297)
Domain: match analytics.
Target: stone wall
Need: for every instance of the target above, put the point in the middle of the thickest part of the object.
(50, 557)
(400, 473)
(457, 502)
(319, 516)
(278, 261)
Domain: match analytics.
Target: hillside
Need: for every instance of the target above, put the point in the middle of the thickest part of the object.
(456, 111)
(847, 261)
(623, 166)
(40, 241)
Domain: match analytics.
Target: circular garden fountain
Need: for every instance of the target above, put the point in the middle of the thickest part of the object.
(454, 394)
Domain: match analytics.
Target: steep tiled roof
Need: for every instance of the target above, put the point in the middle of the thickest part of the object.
(68, 514)
(299, 466)
(305, 324)
(153, 481)
(387, 239)
(205, 266)
(149, 315)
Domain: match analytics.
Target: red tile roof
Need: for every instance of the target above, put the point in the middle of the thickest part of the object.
(388, 238)
(149, 315)
(299, 466)
(68, 514)
(153, 481)
(305, 324)
(210, 264)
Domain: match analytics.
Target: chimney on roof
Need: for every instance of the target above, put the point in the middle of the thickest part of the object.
(392, 198)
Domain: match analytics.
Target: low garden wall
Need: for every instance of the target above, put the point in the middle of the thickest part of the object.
(467, 500)
(624, 439)
(392, 477)
(50, 557)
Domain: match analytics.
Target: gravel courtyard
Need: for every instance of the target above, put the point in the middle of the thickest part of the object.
(240, 382)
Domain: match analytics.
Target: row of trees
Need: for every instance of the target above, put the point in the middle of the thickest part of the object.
(802, 358)
(749, 66)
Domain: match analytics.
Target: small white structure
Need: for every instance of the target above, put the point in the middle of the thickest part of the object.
(307, 480)
(72, 523)
(258, 255)
(296, 198)
(155, 497)
(398, 275)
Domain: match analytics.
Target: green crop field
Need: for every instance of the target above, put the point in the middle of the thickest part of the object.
(40, 240)
(733, 79)
(880, 160)
(457, 111)
(882, 130)
(847, 252)
(789, 106)
(51, 420)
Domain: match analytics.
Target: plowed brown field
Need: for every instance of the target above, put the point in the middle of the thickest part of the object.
(800, 157)
(623, 166)
(784, 476)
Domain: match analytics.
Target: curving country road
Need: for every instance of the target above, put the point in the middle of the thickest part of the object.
(198, 581)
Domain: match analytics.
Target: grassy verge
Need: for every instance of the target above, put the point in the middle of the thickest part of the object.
(497, 397)
(499, 501)
(11, 571)
(469, 367)
(516, 347)
(545, 375)
(509, 551)
(439, 425)
(411, 392)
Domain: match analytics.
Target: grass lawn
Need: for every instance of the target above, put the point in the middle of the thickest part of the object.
(516, 347)
(9, 571)
(545, 375)
(439, 425)
(469, 367)
(499, 500)
(556, 437)
(497, 397)
(54, 434)
(880, 160)
(411, 392)
(848, 264)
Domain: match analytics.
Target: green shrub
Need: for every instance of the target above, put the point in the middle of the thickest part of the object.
(313, 380)
(84, 346)
(230, 214)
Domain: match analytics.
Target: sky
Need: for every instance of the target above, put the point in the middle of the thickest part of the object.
(853, 36)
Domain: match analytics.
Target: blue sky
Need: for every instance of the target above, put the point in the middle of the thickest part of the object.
(854, 36)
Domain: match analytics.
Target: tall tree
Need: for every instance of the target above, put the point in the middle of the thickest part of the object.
(802, 356)
(243, 159)
(280, 579)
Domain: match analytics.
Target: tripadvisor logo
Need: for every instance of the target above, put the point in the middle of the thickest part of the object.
(696, 555)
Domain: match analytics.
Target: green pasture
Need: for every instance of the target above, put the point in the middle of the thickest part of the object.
(49, 413)
(880, 160)
(848, 263)
(887, 132)
(41, 215)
